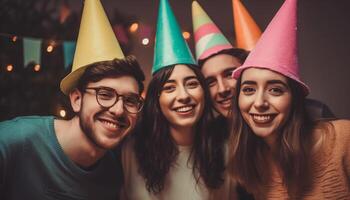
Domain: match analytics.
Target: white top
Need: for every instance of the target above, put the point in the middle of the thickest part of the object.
(180, 182)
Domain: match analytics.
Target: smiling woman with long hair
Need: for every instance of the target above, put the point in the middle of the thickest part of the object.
(174, 154)
(276, 150)
(163, 136)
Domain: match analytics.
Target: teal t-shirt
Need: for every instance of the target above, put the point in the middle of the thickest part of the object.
(33, 166)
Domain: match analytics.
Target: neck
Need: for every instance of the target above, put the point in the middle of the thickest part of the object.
(182, 135)
(271, 142)
(75, 144)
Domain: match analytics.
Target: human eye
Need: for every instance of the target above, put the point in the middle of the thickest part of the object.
(276, 91)
(168, 88)
(228, 74)
(247, 90)
(131, 100)
(192, 84)
(210, 82)
(105, 94)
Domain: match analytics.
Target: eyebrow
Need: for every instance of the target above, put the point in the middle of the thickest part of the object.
(249, 82)
(131, 94)
(185, 79)
(229, 69)
(277, 82)
(170, 81)
(190, 77)
(209, 78)
(224, 72)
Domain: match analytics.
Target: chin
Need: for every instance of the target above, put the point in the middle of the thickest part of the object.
(226, 113)
(111, 145)
(186, 123)
(109, 142)
(223, 112)
(263, 132)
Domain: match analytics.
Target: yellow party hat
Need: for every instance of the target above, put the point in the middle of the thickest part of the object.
(96, 42)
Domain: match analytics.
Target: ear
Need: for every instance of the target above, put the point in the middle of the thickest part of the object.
(75, 97)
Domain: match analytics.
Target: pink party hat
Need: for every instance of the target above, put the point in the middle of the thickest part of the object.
(208, 37)
(276, 50)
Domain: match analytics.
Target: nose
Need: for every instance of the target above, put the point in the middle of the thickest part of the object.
(183, 95)
(118, 108)
(223, 88)
(260, 101)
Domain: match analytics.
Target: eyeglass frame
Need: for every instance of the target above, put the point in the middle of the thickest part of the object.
(118, 96)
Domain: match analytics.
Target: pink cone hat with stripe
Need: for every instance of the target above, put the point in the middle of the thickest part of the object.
(208, 38)
(276, 50)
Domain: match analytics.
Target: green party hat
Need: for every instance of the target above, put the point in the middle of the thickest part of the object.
(170, 46)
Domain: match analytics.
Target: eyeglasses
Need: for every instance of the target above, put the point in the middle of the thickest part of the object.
(108, 97)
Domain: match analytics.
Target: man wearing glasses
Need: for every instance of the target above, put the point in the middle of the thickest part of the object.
(49, 158)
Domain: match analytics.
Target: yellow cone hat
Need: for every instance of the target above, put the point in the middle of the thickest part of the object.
(247, 31)
(96, 42)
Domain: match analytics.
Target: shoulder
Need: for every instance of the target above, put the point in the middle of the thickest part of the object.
(15, 134)
(128, 153)
(341, 125)
(334, 133)
(128, 145)
(25, 123)
(20, 128)
(341, 130)
(134, 185)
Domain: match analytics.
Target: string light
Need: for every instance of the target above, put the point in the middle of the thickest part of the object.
(37, 67)
(186, 35)
(14, 38)
(9, 68)
(133, 28)
(49, 48)
(145, 41)
(63, 113)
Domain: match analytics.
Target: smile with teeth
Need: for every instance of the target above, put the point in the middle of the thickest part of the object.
(267, 118)
(225, 101)
(184, 109)
(112, 125)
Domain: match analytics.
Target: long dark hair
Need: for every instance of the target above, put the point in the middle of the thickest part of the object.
(247, 152)
(155, 149)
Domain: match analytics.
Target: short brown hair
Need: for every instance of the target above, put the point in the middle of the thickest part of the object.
(241, 54)
(112, 68)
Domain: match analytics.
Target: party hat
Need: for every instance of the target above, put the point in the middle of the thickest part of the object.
(170, 47)
(96, 42)
(247, 31)
(207, 36)
(276, 50)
